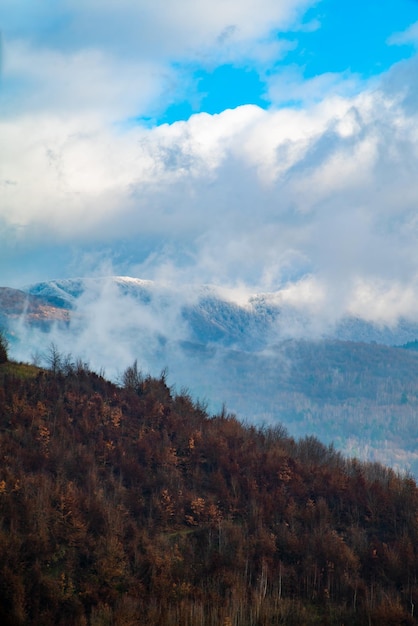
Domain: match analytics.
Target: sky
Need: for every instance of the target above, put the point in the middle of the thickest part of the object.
(267, 145)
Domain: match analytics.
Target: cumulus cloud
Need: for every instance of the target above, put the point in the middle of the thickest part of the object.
(333, 184)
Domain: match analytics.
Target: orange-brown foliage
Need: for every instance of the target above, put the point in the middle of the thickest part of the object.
(133, 506)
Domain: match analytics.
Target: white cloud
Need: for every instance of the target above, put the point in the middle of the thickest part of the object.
(160, 29)
(288, 85)
(384, 301)
(122, 58)
(90, 81)
(236, 195)
(407, 37)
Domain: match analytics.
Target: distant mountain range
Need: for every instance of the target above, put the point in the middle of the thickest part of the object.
(347, 382)
(214, 316)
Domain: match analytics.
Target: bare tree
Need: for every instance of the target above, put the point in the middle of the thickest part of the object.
(132, 378)
(4, 347)
(54, 359)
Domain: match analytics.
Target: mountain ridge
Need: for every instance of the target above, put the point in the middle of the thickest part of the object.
(218, 313)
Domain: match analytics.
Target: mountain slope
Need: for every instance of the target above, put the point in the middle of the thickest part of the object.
(126, 506)
(16, 304)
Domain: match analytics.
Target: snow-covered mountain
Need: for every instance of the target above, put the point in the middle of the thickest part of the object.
(213, 315)
(66, 292)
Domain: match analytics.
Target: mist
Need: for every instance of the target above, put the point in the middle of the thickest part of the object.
(190, 328)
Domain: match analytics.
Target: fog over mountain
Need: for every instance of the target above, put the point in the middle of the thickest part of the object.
(212, 314)
(344, 379)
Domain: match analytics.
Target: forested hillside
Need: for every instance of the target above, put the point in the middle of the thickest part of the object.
(131, 505)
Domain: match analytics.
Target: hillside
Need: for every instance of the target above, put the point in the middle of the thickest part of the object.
(133, 505)
(359, 395)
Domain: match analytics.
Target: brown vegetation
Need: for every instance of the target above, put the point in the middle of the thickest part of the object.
(133, 506)
(37, 311)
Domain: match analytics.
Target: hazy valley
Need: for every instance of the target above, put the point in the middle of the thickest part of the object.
(344, 381)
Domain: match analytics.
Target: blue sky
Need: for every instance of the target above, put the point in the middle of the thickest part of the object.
(261, 145)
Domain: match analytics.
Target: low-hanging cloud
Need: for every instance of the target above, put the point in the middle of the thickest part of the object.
(110, 326)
